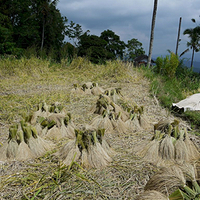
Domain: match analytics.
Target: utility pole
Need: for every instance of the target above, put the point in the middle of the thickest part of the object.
(178, 38)
(152, 32)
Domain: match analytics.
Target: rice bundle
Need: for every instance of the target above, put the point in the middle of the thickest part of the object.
(151, 195)
(117, 109)
(102, 104)
(24, 152)
(37, 145)
(67, 127)
(181, 152)
(77, 89)
(97, 156)
(114, 94)
(12, 146)
(166, 149)
(105, 145)
(88, 148)
(53, 133)
(118, 125)
(149, 151)
(56, 108)
(86, 87)
(162, 125)
(190, 190)
(55, 117)
(172, 144)
(166, 180)
(133, 122)
(193, 153)
(142, 118)
(96, 90)
(102, 122)
(55, 126)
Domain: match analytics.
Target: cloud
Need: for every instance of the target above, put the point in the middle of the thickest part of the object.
(132, 19)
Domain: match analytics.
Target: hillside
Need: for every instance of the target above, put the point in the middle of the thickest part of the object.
(25, 83)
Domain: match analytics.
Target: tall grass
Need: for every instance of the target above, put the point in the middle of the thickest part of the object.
(175, 85)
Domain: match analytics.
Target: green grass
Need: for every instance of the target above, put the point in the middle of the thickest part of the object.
(170, 90)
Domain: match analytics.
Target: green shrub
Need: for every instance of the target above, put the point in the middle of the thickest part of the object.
(168, 65)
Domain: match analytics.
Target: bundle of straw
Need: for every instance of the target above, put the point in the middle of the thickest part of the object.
(118, 125)
(168, 143)
(92, 149)
(166, 149)
(114, 94)
(151, 195)
(193, 153)
(97, 156)
(24, 152)
(96, 90)
(181, 151)
(12, 146)
(67, 127)
(149, 150)
(166, 180)
(102, 122)
(77, 89)
(37, 145)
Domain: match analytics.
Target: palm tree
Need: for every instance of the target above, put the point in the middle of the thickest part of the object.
(194, 35)
(152, 32)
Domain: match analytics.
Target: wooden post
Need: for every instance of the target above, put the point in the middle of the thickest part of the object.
(152, 32)
(178, 38)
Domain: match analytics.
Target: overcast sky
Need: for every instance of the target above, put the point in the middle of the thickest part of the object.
(132, 19)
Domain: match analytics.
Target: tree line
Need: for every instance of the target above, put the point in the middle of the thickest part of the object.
(38, 25)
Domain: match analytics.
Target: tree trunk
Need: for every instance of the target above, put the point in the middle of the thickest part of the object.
(192, 57)
(42, 43)
(152, 32)
(178, 38)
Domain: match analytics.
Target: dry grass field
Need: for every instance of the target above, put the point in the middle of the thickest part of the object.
(25, 83)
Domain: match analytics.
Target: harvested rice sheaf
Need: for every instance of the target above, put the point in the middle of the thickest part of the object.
(119, 126)
(169, 143)
(166, 180)
(96, 90)
(55, 126)
(12, 147)
(151, 195)
(37, 145)
(102, 122)
(89, 148)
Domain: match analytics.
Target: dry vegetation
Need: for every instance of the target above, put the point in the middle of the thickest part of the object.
(25, 83)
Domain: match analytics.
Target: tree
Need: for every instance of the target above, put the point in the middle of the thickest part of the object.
(194, 36)
(93, 47)
(134, 49)
(34, 23)
(74, 31)
(152, 32)
(114, 46)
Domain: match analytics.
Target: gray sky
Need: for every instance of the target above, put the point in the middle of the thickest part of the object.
(132, 19)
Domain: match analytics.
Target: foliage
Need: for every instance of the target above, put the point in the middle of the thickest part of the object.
(28, 24)
(168, 65)
(99, 49)
(194, 36)
(175, 88)
(114, 45)
(187, 77)
(93, 47)
(134, 49)
(74, 32)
